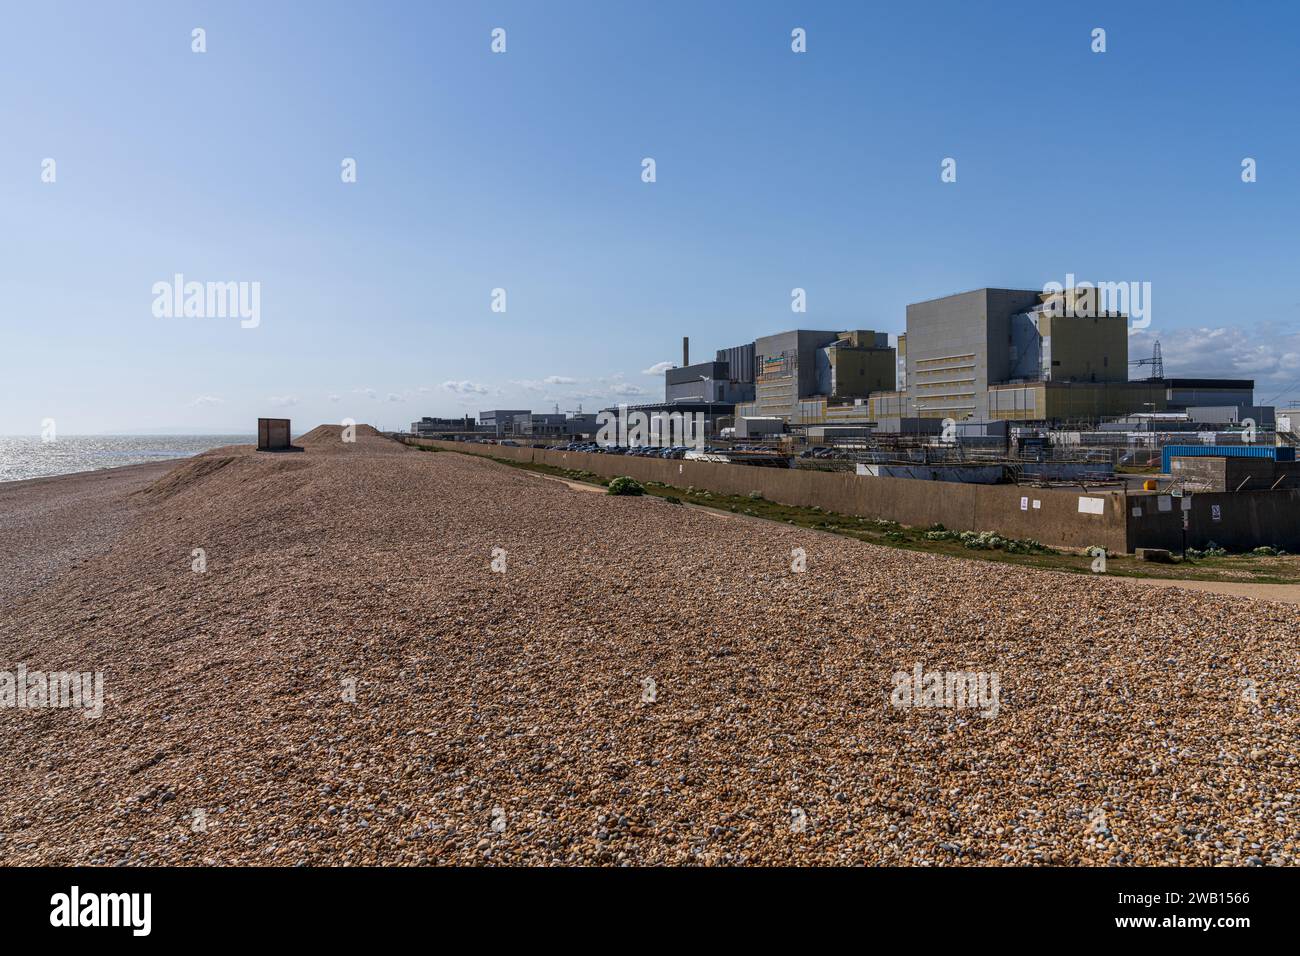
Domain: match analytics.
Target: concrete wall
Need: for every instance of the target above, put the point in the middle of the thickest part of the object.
(1056, 521)
(1244, 520)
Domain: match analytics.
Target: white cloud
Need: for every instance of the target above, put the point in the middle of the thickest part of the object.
(658, 368)
(394, 397)
(626, 389)
(334, 398)
(465, 388)
(1261, 352)
(283, 401)
(367, 392)
(559, 380)
(208, 400)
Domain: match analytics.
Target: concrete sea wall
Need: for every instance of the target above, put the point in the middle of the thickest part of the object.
(1049, 515)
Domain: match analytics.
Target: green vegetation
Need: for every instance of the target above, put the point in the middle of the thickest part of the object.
(624, 485)
(988, 541)
(1211, 565)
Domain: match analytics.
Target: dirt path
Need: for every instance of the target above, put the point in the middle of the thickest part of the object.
(1287, 593)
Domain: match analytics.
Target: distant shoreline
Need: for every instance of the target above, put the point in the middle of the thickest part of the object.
(30, 458)
(5, 485)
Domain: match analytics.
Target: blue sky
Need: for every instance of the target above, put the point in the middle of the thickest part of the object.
(522, 171)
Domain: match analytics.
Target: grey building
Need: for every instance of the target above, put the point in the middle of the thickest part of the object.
(957, 346)
(1187, 392)
(1261, 415)
(830, 368)
(705, 382)
(539, 424)
(739, 361)
(501, 421)
(553, 425)
(433, 426)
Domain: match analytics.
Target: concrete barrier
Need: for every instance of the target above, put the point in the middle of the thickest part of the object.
(1238, 521)
(1050, 515)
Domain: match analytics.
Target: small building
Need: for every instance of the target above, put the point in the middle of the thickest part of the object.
(755, 426)
(273, 434)
(1229, 473)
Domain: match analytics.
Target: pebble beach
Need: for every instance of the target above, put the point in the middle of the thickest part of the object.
(407, 658)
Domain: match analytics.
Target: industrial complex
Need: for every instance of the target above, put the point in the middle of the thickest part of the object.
(987, 387)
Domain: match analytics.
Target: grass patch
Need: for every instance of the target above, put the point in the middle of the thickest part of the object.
(976, 546)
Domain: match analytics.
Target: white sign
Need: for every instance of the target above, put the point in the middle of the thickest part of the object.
(1037, 504)
(1137, 512)
(1215, 514)
(1164, 503)
(1092, 506)
(1187, 502)
(1024, 504)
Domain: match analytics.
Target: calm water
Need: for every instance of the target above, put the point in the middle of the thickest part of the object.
(29, 457)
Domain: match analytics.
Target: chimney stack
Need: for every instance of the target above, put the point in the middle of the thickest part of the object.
(686, 351)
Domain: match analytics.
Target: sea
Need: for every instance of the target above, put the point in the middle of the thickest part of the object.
(29, 456)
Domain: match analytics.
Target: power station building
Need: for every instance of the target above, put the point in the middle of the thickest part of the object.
(1015, 354)
(1020, 355)
(808, 376)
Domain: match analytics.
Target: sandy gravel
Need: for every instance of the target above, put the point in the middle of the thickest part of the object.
(48, 525)
(499, 718)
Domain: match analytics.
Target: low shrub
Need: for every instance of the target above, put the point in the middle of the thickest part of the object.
(623, 485)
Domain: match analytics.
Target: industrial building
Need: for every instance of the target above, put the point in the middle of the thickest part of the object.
(807, 376)
(1025, 356)
(728, 379)
(554, 425)
(711, 389)
(1188, 393)
(439, 426)
(706, 382)
(1013, 354)
(500, 421)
